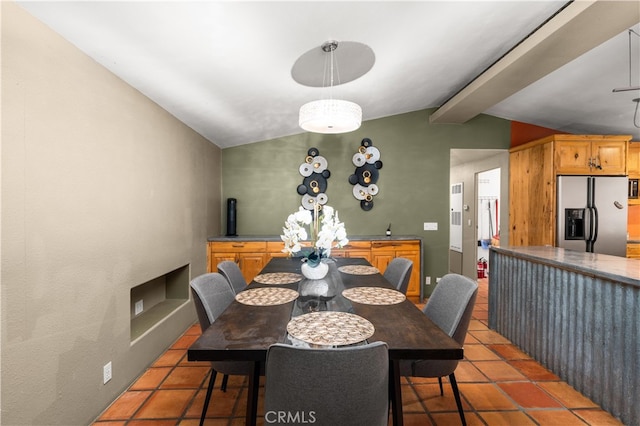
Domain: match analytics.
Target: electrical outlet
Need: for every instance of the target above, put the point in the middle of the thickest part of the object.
(106, 373)
(438, 280)
(138, 308)
(427, 280)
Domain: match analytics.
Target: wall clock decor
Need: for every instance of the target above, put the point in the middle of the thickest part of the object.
(368, 164)
(314, 173)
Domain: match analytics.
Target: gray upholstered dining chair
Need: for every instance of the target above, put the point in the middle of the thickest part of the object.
(211, 296)
(450, 307)
(398, 273)
(334, 386)
(231, 271)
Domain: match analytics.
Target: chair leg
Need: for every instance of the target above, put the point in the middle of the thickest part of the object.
(440, 383)
(212, 379)
(456, 394)
(225, 379)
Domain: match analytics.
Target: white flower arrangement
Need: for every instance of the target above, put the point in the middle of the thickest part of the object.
(325, 228)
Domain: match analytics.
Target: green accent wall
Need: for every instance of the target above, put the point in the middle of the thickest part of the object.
(413, 182)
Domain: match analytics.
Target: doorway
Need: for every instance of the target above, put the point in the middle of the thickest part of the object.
(488, 184)
(467, 165)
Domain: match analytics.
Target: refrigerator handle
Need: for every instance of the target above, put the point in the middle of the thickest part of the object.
(589, 230)
(594, 225)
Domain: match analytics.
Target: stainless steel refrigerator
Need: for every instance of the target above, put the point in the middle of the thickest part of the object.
(592, 214)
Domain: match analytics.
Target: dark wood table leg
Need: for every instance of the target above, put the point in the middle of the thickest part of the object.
(252, 398)
(395, 393)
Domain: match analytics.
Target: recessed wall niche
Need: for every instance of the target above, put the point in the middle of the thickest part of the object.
(154, 300)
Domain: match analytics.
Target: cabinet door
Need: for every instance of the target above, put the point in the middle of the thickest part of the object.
(610, 157)
(251, 264)
(572, 157)
(381, 259)
(633, 160)
(414, 282)
(216, 258)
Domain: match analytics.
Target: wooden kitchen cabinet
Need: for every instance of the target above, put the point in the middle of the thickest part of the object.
(633, 250)
(252, 256)
(593, 155)
(633, 160)
(533, 168)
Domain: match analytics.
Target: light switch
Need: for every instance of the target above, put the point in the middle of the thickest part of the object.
(431, 226)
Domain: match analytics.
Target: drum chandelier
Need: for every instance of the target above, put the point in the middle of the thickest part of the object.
(330, 115)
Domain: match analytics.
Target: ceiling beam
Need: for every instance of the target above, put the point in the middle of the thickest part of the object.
(575, 30)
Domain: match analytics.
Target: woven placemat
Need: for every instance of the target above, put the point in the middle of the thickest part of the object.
(278, 278)
(330, 328)
(358, 269)
(266, 296)
(374, 295)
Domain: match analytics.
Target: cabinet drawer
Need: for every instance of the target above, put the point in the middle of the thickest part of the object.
(358, 245)
(394, 245)
(238, 246)
(275, 246)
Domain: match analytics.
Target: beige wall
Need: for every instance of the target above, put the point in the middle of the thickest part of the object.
(102, 190)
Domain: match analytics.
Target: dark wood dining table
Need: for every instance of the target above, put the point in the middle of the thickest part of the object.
(245, 332)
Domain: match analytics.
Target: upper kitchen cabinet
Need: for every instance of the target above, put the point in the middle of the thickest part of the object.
(533, 168)
(633, 160)
(590, 154)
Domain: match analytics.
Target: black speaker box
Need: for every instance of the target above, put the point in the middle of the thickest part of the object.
(231, 217)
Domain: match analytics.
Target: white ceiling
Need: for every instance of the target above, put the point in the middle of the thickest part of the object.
(224, 67)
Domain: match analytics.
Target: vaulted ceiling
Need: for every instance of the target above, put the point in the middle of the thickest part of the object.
(224, 67)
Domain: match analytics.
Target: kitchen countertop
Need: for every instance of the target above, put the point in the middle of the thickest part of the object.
(614, 268)
(351, 238)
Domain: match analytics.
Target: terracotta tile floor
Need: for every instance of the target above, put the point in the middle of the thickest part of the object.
(500, 385)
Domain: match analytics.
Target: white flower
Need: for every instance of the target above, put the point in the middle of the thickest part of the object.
(331, 229)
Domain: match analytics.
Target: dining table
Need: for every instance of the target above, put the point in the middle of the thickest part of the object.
(281, 306)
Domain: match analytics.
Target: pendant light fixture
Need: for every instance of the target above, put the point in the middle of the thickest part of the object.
(630, 87)
(330, 115)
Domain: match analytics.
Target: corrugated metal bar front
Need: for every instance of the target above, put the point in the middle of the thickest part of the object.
(583, 328)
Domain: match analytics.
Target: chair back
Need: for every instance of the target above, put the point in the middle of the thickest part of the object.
(231, 271)
(398, 273)
(451, 305)
(211, 295)
(334, 386)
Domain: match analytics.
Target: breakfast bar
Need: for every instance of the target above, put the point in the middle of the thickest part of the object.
(576, 313)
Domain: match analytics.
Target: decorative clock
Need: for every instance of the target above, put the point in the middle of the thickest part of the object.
(365, 177)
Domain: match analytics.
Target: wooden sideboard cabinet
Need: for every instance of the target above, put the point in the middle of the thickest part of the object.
(251, 256)
(383, 252)
(533, 168)
(354, 249)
